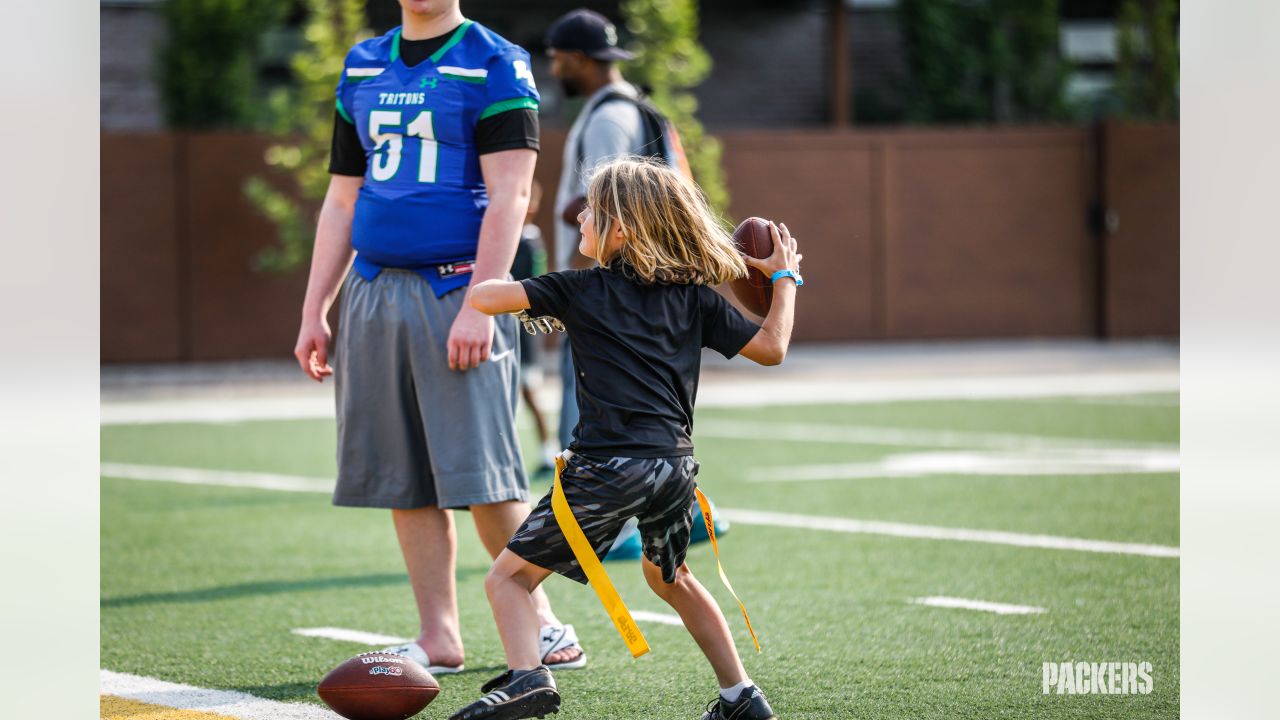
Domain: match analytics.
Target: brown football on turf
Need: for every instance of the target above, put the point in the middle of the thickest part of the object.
(378, 686)
(754, 291)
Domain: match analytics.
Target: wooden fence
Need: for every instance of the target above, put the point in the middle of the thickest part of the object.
(907, 234)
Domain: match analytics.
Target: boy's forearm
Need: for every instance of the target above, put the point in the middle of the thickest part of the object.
(494, 297)
(781, 317)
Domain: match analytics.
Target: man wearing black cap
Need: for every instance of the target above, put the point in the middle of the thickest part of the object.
(583, 46)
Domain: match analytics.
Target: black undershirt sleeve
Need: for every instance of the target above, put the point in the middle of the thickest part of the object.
(346, 154)
(510, 130)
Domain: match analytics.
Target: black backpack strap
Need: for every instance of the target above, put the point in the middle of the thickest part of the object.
(649, 116)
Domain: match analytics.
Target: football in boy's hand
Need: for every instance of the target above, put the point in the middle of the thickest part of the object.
(378, 686)
(754, 291)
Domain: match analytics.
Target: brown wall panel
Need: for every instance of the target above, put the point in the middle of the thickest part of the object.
(139, 271)
(236, 312)
(906, 234)
(987, 236)
(1141, 192)
(820, 186)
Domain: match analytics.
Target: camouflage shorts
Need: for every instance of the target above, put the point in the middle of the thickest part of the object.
(606, 492)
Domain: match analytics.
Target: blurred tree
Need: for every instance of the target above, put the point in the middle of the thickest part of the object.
(1147, 66)
(207, 64)
(302, 117)
(669, 63)
(983, 61)
(944, 62)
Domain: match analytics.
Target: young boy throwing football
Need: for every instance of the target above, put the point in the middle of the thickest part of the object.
(637, 324)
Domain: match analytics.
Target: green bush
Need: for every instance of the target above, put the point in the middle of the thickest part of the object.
(208, 62)
(1147, 66)
(302, 116)
(669, 63)
(983, 61)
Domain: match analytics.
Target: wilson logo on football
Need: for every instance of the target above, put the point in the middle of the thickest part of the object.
(371, 659)
(386, 670)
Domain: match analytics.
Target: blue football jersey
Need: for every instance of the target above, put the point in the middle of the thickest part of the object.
(423, 196)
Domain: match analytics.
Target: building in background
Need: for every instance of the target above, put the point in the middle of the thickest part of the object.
(774, 62)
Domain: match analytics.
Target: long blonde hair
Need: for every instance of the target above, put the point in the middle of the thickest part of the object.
(670, 234)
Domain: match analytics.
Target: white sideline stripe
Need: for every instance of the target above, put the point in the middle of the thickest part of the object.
(1139, 401)
(187, 697)
(909, 437)
(1017, 464)
(364, 72)
(223, 478)
(217, 410)
(711, 393)
(465, 72)
(355, 636)
(646, 616)
(811, 391)
(932, 532)
(291, 483)
(981, 605)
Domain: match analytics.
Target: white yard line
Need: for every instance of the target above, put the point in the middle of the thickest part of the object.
(224, 702)
(223, 478)
(369, 638)
(355, 636)
(663, 618)
(933, 532)
(980, 605)
(746, 517)
(217, 410)
(825, 391)
(906, 437)
(1132, 401)
(713, 392)
(1016, 464)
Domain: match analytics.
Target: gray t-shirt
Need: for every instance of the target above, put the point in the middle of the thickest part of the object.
(614, 130)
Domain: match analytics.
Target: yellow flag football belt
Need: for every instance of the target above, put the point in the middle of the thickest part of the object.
(599, 579)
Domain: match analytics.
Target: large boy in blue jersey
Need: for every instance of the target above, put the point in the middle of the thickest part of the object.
(435, 139)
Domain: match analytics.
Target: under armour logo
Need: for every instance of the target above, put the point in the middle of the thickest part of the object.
(429, 83)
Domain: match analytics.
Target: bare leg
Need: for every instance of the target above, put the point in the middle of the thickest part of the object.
(496, 523)
(703, 619)
(510, 585)
(429, 545)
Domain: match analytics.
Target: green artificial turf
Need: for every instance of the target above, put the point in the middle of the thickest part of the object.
(202, 585)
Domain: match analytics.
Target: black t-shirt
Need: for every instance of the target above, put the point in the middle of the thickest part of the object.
(637, 350)
(510, 130)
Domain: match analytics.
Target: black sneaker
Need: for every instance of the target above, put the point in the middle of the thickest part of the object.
(533, 694)
(750, 705)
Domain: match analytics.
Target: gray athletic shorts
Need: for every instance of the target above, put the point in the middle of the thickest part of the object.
(412, 432)
(604, 493)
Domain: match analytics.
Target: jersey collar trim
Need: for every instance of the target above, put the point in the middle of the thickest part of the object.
(457, 38)
(435, 57)
(395, 46)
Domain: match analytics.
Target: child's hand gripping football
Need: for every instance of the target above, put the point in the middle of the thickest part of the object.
(784, 256)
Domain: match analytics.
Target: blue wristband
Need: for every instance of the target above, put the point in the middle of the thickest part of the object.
(787, 273)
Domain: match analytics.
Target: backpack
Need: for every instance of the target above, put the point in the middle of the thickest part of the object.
(661, 139)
